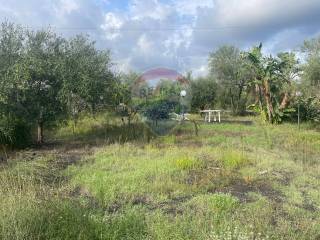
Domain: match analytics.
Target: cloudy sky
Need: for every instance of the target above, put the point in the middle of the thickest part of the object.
(178, 34)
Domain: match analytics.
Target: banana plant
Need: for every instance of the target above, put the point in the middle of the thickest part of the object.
(270, 81)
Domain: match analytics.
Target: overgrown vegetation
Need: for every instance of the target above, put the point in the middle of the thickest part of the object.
(233, 181)
(104, 172)
(45, 78)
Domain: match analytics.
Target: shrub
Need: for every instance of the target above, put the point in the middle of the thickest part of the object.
(14, 132)
(159, 110)
(309, 109)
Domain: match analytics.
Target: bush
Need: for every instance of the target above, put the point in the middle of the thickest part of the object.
(160, 110)
(204, 93)
(309, 109)
(14, 133)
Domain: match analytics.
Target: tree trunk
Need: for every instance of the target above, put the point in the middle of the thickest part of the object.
(93, 110)
(241, 90)
(267, 96)
(285, 101)
(234, 110)
(4, 156)
(258, 96)
(196, 127)
(40, 133)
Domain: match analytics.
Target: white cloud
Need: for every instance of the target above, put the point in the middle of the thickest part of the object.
(262, 12)
(177, 34)
(7, 11)
(178, 40)
(187, 7)
(67, 6)
(141, 9)
(144, 45)
(112, 24)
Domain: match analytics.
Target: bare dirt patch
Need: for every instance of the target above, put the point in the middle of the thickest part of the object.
(240, 189)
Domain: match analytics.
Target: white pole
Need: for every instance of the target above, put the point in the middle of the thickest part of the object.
(209, 117)
(219, 116)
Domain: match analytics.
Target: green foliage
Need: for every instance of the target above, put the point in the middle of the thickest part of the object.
(158, 190)
(126, 111)
(204, 93)
(232, 159)
(219, 203)
(309, 109)
(45, 78)
(159, 109)
(87, 80)
(28, 218)
(14, 133)
(104, 128)
(186, 163)
(311, 70)
(232, 72)
(272, 82)
(236, 233)
(130, 224)
(168, 89)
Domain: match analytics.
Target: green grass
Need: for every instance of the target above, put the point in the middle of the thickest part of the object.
(101, 129)
(232, 181)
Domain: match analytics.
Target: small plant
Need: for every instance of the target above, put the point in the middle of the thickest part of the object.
(188, 163)
(232, 159)
(218, 203)
(223, 202)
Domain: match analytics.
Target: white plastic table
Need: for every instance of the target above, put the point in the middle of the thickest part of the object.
(214, 113)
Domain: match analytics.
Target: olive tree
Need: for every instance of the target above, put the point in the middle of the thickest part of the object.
(42, 63)
(87, 81)
(311, 69)
(13, 124)
(231, 70)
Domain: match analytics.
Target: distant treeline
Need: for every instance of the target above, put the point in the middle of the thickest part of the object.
(249, 81)
(45, 78)
(272, 86)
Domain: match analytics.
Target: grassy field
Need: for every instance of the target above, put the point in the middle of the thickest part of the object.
(241, 179)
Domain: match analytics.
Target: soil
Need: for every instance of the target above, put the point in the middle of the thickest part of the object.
(240, 189)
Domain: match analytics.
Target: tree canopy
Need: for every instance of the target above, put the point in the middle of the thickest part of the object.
(45, 77)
